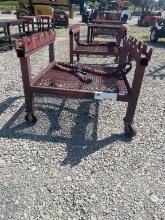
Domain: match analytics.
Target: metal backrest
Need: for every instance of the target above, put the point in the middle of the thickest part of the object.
(100, 21)
(112, 16)
(137, 50)
(75, 28)
(31, 44)
(74, 33)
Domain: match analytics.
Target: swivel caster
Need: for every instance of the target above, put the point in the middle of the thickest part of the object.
(130, 131)
(29, 117)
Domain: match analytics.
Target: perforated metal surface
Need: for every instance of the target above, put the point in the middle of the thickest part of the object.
(100, 49)
(105, 32)
(57, 78)
(54, 78)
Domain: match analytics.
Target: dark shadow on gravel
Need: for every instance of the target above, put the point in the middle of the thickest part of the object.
(79, 146)
(4, 49)
(155, 74)
(7, 103)
(83, 24)
(75, 153)
(159, 44)
(82, 139)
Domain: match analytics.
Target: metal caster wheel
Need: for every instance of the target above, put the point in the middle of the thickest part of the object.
(29, 117)
(130, 131)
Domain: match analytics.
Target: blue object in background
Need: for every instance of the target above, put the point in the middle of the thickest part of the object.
(81, 6)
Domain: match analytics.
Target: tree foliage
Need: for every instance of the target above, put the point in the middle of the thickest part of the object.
(161, 3)
(136, 2)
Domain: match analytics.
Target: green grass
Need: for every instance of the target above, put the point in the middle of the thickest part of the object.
(8, 5)
(142, 34)
(136, 10)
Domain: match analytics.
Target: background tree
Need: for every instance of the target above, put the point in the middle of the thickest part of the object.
(161, 3)
(136, 3)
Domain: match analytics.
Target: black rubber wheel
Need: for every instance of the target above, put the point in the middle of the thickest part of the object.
(130, 131)
(64, 20)
(139, 23)
(61, 13)
(29, 117)
(153, 37)
(146, 24)
(124, 19)
(159, 23)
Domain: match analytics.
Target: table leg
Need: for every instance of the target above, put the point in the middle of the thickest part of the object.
(40, 24)
(9, 36)
(48, 24)
(28, 27)
(43, 25)
(33, 27)
(91, 35)
(19, 28)
(23, 27)
(88, 35)
(5, 31)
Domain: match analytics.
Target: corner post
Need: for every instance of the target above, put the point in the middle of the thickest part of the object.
(51, 52)
(26, 77)
(135, 91)
(71, 45)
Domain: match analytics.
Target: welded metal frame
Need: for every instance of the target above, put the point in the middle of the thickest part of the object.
(6, 40)
(132, 50)
(31, 24)
(118, 31)
(77, 48)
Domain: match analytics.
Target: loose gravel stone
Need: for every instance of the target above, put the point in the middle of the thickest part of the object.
(76, 163)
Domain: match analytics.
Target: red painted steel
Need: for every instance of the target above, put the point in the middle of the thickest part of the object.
(117, 31)
(76, 48)
(35, 42)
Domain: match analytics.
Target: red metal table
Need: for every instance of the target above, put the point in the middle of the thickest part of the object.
(69, 80)
(112, 28)
(99, 48)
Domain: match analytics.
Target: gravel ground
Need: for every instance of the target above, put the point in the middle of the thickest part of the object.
(76, 163)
